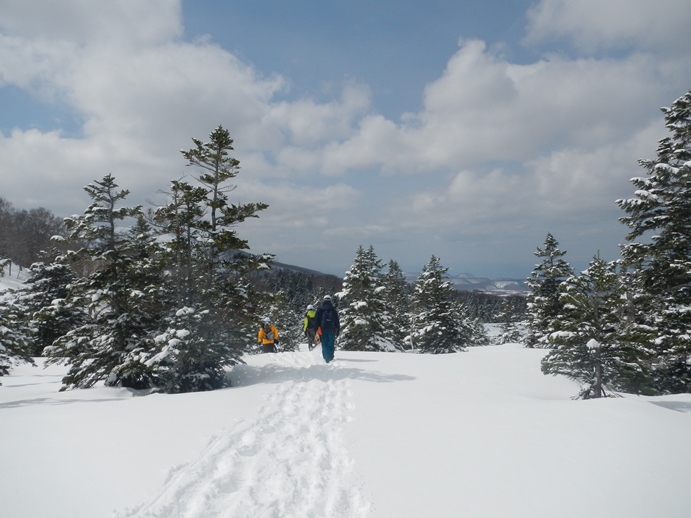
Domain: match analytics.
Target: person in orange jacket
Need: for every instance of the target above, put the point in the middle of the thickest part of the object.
(268, 336)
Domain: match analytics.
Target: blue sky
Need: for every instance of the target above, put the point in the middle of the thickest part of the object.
(465, 129)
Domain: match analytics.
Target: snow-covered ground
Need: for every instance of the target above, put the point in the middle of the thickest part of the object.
(13, 277)
(475, 434)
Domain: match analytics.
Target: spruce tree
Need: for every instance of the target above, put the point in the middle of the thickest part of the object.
(397, 298)
(14, 340)
(118, 296)
(212, 319)
(658, 248)
(439, 320)
(588, 338)
(543, 299)
(364, 315)
(510, 332)
(44, 304)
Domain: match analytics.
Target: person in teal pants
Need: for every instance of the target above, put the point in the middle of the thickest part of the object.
(329, 327)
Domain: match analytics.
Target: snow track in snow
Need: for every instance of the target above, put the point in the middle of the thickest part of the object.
(291, 461)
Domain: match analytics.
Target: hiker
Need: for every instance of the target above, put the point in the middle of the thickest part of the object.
(268, 336)
(309, 327)
(329, 327)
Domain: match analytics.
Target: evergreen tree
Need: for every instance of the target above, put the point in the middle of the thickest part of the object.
(589, 338)
(397, 299)
(118, 297)
(510, 332)
(365, 317)
(439, 321)
(212, 320)
(543, 300)
(47, 314)
(658, 251)
(14, 342)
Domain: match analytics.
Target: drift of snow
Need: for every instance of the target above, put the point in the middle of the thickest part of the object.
(479, 434)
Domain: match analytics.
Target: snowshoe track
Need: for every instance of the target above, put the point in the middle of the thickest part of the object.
(290, 462)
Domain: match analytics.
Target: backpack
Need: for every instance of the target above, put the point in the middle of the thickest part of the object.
(328, 319)
(310, 321)
(268, 332)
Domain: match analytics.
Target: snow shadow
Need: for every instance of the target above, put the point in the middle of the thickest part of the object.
(678, 406)
(53, 402)
(245, 375)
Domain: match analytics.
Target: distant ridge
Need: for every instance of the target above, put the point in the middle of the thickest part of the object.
(293, 268)
(468, 282)
(462, 281)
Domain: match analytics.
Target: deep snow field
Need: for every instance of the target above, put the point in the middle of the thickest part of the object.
(476, 434)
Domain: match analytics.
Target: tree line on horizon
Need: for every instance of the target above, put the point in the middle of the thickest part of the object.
(176, 298)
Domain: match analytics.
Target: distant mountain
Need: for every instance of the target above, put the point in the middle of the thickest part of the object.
(468, 282)
(293, 268)
(462, 281)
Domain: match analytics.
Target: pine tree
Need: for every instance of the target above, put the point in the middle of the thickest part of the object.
(397, 299)
(510, 332)
(543, 300)
(14, 340)
(658, 251)
(364, 315)
(439, 321)
(212, 320)
(118, 297)
(589, 336)
(47, 314)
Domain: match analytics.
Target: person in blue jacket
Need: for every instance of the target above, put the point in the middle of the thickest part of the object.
(329, 327)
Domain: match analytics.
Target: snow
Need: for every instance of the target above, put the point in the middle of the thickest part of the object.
(479, 434)
(13, 280)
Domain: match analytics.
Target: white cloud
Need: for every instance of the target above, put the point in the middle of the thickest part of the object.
(498, 152)
(128, 22)
(592, 25)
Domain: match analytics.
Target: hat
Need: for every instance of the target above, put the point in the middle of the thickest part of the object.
(327, 297)
(310, 306)
(267, 320)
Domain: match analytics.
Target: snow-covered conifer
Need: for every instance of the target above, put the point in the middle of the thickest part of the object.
(14, 339)
(543, 299)
(119, 296)
(211, 320)
(397, 297)
(44, 300)
(364, 315)
(588, 336)
(658, 252)
(439, 321)
(508, 322)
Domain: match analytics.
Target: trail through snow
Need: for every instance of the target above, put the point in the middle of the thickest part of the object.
(289, 461)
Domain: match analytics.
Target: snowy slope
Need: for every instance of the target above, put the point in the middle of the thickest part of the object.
(476, 434)
(13, 278)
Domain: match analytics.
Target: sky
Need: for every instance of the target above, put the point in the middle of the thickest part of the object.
(481, 433)
(463, 129)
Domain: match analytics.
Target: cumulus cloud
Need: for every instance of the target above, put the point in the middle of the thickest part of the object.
(82, 22)
(484, 108)
(592, 25)
(499, 153)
